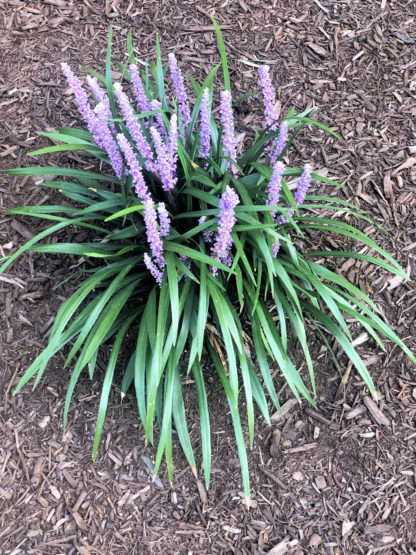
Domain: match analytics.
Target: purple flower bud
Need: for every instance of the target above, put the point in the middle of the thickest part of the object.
(104, 138)
(303, 185)
(276, 247)
(163, 219)
(160, 124)
(164, 165)
(153, 269)
(153, 235)
(279, 143)
(268, 97)
(134, 167)
(134, 128)
(173, 143)
(180, 90)
(223, 239)
(205, 132)
(139, 92)
(102, 98)
(80, 95)
(227, 121)
(275, 186)
(207, 235)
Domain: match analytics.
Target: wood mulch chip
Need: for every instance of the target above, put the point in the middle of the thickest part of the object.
(338, 479)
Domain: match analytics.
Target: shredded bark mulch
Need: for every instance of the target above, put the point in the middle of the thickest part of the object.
(340, 478)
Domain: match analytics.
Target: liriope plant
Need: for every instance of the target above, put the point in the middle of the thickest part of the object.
(191, 250)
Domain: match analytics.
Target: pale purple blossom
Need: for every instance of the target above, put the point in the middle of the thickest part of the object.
(134, 167)
(164, 219)
(153, 235)
(102, 98)
(139, 92)
(279, 143)
(180, 90)
(303, 185)
(173, 143)
(223, 240)
(269, 97)
(275, 186)
(204, 132)
(160, 124)
(134, 128)
(153, 269)
(227, 121)
(164, 165)
(207, 235)
(104, 138)
(276, 247)
(80, 95)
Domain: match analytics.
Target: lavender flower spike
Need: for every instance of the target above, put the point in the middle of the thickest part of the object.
(135, 170)
(80, 96)
(164, 166)
(102, 98)
(141, 98)
(276, 247)
(134, 128)
(275, 186)
(279, 143)
(160, 124)
(303, 185)
(207, 235)
(153, 235)
(269, 97)
(180, 90)
(205, 132)
(153, 269)
(163, 219)
(173, 143)
(228, 125)
(223, 240)
(104, 138)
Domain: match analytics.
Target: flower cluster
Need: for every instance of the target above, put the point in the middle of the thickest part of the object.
(180, 90)
(227, 121)
(205, 133)
(154, 144)
(223, 240)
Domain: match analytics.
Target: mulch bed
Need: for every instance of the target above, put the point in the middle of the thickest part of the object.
(338, 479)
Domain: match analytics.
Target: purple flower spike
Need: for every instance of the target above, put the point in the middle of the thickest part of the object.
(303, 185)
(207, 235)
(80, 96)
(275, 186)
(160, 124)
(135, 170)
(163, 219)
(139, 92)
(268, 96)
(173, 143)
(102, 98)
(276, 247)
(279, 143)
(180, 90)
(104, 138)
(153, 269)
(134, 128)
(223, 239)
(153, 235)
(227, 121)
(205, 133)
(163, 164)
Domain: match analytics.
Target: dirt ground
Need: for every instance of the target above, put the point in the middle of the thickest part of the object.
(344, 480)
